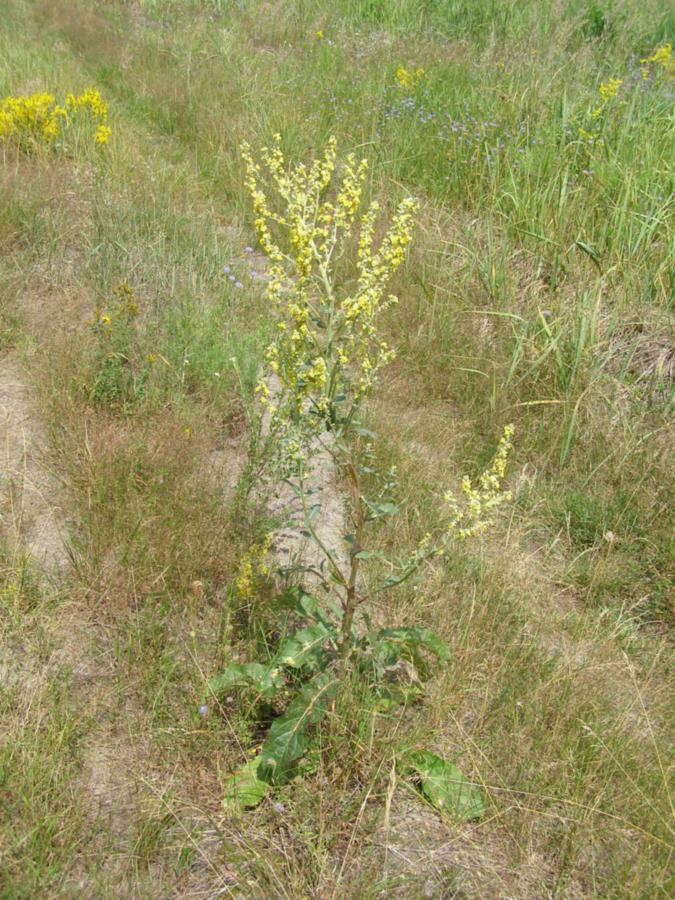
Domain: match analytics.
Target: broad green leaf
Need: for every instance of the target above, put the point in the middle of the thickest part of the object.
(305, 646)
(446, 788)
(244, 789)
(265, 679)
(287, 738)
(382, 509)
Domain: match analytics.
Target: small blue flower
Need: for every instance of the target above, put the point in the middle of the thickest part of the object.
(203, 710)
(248, 249)
(238, 284)
(231, 278)
(226, 269)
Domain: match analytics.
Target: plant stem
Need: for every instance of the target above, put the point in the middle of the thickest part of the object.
(352, 598)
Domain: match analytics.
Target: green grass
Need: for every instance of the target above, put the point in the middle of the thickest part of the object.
(538, 289)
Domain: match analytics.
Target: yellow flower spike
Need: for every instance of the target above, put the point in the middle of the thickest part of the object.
(252, 569)
(326, 345)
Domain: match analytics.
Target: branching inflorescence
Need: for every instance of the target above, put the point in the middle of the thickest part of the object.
(327, 352)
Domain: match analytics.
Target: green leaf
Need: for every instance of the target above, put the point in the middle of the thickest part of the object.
(369, 554)
(305, 646)
(407, 641)
(287, 739)
(244, 789)
(265, 679)
(382, 509)
(446, 788)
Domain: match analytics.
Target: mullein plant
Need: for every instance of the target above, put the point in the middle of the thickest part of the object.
(328, 286)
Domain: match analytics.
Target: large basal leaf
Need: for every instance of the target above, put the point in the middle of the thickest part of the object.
(444, 785)
(244, 790)
(266, 680)
(305, 647)
(287, 739)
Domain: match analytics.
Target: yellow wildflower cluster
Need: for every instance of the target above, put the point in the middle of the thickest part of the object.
(409, 78)
(326, 352)
(252, 569)
(661, 59)
(34, 117)
(91, 99)
(471, 515)
(607, 90)
(39, 118)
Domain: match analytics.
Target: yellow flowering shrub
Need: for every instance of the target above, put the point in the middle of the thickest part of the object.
(39, 118)
(326, 353)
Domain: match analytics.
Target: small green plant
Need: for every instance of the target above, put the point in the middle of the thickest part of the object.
(328, 283)
(118, 379)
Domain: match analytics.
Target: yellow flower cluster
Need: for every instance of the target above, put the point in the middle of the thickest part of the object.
(607, 90)
(91, 99)
(661, 59)
(33, 117)
(409, 78)
(471, 515)
(326, 352)
(39, 118)
(252, 568)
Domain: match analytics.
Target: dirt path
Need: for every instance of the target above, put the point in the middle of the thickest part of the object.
(32, 500)
(36, 524)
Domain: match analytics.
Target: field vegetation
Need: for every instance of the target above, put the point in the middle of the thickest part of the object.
(535, 282)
